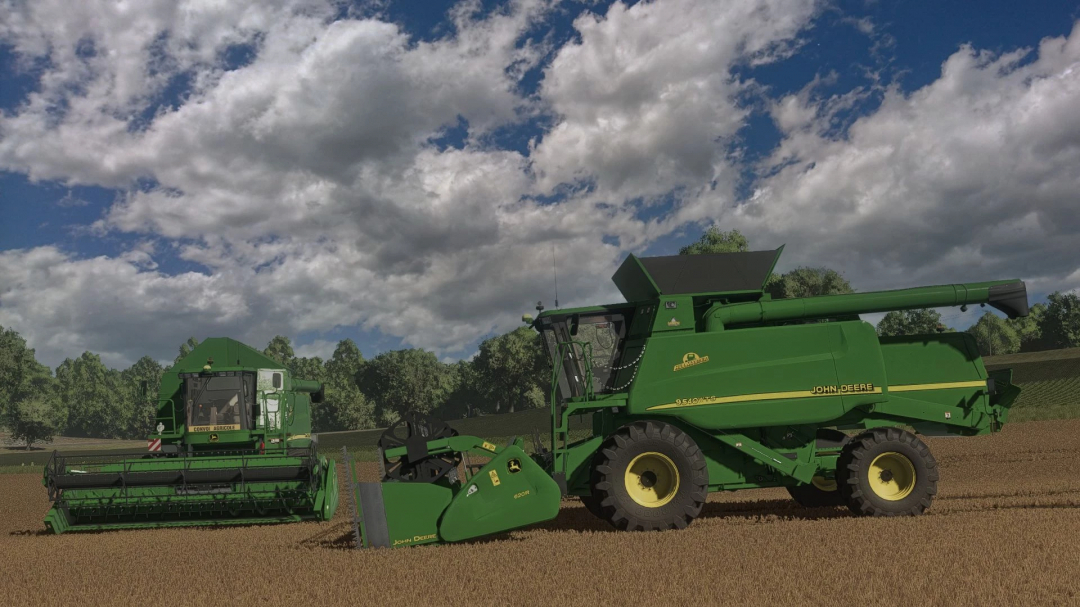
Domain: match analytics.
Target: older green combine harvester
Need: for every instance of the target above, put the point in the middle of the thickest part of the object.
(699, 383)
(232, 445)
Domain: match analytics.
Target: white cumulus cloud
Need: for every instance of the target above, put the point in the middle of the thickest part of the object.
(311, 185)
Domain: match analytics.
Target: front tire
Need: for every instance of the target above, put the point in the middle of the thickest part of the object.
(890, 472)
(649, 475)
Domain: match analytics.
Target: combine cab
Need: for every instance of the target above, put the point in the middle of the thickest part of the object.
(698, 383)
(232, 445)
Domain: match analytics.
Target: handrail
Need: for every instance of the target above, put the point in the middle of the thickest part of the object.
(562, 350)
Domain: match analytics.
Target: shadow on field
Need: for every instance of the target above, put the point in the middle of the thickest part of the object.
(783, 509)
(1020, 494)
(337, 537)
(37, 532)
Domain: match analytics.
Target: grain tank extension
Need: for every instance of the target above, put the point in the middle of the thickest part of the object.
(701, 382)
(232, 445)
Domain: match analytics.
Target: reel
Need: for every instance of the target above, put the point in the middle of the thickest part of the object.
(413, 431)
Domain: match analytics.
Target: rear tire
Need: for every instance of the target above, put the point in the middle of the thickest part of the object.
(890, 472)
(649, 475)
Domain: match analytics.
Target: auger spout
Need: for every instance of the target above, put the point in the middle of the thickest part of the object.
(1009, 296)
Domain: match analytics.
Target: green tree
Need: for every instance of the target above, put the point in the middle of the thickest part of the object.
(716, 241)
(909, 322)
(93, 397)
(406, 380)
(22, 377)
(994, 335)
(143, 405)
(344, 407)
(29, 421)
(469, 395)
(510, 369)
(807, 282)
(1060, 323)
(186, 348)
(308, 368)
(1027, 328)
(280, 349)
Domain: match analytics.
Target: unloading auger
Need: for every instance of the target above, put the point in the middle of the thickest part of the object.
(699, 383)
(232, 445)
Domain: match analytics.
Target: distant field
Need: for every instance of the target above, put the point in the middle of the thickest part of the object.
(14, 455)
(1049, 383)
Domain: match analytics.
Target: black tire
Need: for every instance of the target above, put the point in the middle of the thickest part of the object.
(672, 479)
(890, 472)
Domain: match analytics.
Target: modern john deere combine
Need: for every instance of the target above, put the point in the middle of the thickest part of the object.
(232, 446)
(702, 383)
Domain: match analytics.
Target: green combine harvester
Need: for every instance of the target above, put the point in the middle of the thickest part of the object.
(701, 382)
(232, 445)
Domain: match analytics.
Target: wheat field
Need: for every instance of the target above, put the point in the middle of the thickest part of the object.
(1004, 530)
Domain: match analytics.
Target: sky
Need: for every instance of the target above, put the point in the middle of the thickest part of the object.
(409, 174)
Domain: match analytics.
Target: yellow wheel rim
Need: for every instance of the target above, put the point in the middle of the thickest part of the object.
(892, 476)
(652, 479)
(825, 484)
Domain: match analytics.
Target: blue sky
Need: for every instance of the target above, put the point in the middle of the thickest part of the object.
(399, 175)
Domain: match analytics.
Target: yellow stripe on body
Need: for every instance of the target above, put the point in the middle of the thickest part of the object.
(981, 383)
(742, 398)
(298, 436)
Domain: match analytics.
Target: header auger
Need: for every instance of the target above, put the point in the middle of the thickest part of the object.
(700, 382)
(232, 445)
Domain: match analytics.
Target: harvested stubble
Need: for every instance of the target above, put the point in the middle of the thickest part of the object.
(1003, 531)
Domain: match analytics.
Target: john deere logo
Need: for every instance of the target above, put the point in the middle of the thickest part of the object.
(514, 466)
(213, 438)
(690, 359)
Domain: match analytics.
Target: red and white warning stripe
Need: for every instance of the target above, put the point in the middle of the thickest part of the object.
(153, 444)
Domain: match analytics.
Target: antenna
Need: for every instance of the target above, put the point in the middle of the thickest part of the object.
(556, 273)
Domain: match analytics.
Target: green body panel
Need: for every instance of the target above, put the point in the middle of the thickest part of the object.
(754, 381)
(413, 511)
(509, 491)
(262, 468)
(506, 497)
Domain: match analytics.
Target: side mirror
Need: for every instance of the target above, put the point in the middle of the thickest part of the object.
(277, 381)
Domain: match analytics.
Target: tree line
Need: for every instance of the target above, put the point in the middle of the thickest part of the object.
(85, 398)
(510, 372)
